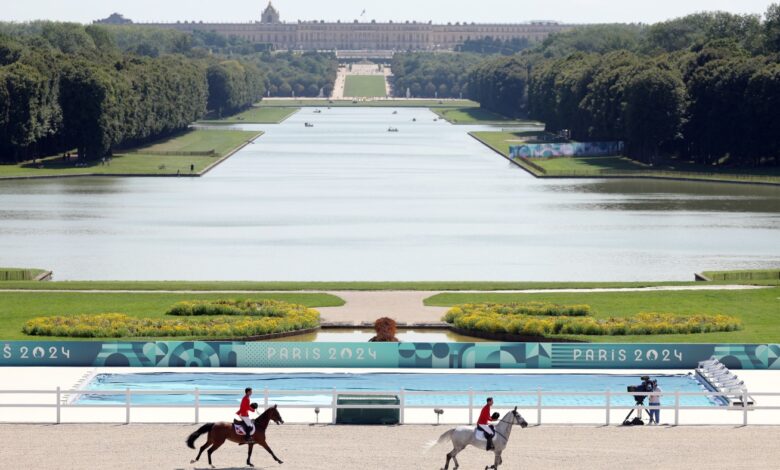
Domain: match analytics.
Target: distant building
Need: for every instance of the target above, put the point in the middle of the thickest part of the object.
(355, 35)
(115, 18)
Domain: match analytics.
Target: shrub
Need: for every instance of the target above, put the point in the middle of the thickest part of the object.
(259, 308)
(117, 325)
(496, 318)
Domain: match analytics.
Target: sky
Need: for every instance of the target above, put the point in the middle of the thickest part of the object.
(439, 11)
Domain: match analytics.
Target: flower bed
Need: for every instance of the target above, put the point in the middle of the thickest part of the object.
(490, 319)
(117, 325)
(528, 308)
(259, 308)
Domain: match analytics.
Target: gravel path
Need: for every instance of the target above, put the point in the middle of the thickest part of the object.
(398, 448)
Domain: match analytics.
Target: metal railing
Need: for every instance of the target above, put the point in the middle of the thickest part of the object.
(59, 404)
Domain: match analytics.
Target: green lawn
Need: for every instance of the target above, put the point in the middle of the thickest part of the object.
(256, 115)
(144, 161)
(365, 86)
(472, 115)
(17, 308)
(618, 166)
(759, 311)
(372, 103)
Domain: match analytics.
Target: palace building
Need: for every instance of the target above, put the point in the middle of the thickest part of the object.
(361, 35)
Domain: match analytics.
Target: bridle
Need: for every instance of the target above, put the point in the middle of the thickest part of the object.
(515, 420)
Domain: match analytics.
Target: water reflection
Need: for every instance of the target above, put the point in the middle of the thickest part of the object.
(346, 200)
(360, 335)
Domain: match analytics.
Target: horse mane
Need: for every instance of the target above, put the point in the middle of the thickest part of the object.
(261, 422)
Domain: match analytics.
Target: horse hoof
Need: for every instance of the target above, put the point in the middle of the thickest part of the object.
(193, 461)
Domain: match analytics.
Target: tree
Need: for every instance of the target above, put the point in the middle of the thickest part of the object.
(90, 100)
(654, 109)
(772, 27)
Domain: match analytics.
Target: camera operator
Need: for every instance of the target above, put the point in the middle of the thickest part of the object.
(655, 402)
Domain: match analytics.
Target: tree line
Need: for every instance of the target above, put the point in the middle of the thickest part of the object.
(704, 87)
(429, 75)
(96, 88)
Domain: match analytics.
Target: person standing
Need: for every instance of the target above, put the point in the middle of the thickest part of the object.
(655, 403)
(483, 423)
(243, 413)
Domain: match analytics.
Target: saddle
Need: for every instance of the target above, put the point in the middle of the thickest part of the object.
(479, 434)
(238, 427)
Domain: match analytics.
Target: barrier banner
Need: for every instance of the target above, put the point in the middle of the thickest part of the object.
(385, 355)
(567, 149)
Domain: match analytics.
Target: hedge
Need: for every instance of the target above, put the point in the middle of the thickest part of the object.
(118, 325)
(261, 308)
(528, 308)
(486, 317)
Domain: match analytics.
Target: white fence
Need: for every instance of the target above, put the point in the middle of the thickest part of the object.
(58, 403)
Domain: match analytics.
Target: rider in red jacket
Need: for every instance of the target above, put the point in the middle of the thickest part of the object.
(243, 413)
(483, 423)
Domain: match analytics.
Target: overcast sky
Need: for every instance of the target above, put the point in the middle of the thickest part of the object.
(440, 11)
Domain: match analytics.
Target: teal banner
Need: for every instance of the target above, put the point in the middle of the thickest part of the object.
(386, 355)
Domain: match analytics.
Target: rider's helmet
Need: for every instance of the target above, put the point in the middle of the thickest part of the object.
(495, 416)
(253, 406)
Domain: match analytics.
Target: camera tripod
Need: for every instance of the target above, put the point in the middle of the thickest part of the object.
(637, 421)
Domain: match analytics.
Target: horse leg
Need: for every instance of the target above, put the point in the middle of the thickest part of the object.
(217, 444)
(249, 455)
(449, 457)
(202, 448)
(265, 446)
(455, 453)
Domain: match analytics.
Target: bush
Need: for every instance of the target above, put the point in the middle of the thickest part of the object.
(549, 320)
(118, 325)
(528, 308)
(261, 308)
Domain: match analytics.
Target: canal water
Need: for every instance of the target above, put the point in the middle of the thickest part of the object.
(348, 200)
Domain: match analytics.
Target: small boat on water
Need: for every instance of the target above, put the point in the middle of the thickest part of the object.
(317, 111)
(392, 129)
(308, 124)
(395, 112)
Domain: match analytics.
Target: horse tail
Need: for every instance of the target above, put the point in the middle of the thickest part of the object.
(194, 436)
(431, 444)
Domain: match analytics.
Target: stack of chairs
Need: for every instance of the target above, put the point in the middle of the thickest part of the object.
(722, 380)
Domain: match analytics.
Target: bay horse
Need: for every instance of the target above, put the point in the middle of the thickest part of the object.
(464, 436)
(218, 433)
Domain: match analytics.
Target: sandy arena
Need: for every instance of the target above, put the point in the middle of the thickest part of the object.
(301, 447)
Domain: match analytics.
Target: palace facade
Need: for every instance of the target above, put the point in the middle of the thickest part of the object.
(356, 35)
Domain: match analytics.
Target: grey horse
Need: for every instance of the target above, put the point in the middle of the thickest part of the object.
(464, 436)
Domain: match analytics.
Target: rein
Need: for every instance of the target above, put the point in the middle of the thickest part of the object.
(510, 424)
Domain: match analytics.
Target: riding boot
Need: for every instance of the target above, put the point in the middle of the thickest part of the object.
(489, 442)
(248, 431)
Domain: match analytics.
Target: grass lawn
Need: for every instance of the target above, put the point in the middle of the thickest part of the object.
(618, 166)
(256, 115)
(17, 308)
(371, 103)
(365, 86)
(759, 311)
(144, 161)
(473, 115)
